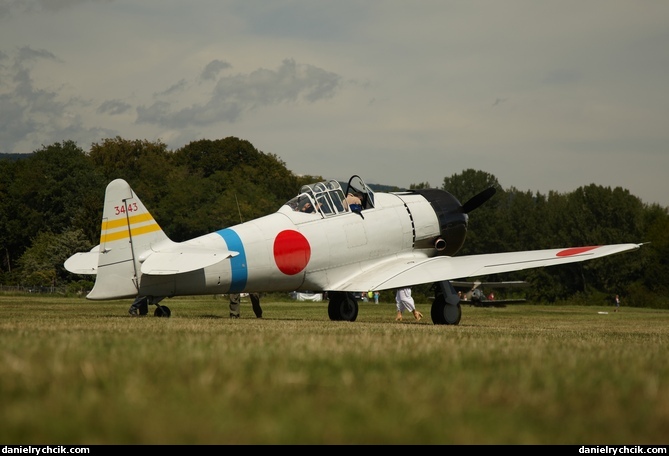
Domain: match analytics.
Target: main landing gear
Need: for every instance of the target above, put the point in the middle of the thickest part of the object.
(140, 307)
(446, 308)
(342, 306)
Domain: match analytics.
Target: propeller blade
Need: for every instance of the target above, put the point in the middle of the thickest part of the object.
(478, 199)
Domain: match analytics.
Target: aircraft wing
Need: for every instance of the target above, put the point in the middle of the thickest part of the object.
(403, 273)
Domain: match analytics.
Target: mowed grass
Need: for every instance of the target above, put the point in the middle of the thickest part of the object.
(74, 371)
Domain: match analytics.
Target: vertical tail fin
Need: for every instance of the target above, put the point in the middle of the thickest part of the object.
(128, 231)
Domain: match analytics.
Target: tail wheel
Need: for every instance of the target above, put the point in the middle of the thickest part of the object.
(443, 313)
(162, 311)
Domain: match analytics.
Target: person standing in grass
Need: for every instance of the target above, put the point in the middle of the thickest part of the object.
(404, 301)
(617, 303)
(235, 301)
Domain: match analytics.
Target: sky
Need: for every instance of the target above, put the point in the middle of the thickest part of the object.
(544, 95)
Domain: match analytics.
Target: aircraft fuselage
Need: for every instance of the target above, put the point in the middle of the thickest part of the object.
(290, 250)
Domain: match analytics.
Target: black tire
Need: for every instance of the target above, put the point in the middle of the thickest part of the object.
(342, 306)
(443, 313)
(349, 308)
(162, 311)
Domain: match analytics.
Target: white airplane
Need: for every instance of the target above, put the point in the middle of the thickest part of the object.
(378, 241)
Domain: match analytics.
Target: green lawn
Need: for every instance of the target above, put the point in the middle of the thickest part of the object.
(74, 371)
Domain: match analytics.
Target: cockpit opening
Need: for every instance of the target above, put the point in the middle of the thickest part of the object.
(327, 198)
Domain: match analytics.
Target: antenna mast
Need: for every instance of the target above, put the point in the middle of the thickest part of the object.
(238, 209)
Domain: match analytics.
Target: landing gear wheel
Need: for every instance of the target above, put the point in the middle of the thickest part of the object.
(342, 306)
(443, 313)
(162, 311)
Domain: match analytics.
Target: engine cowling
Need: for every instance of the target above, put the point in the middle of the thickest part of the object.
(453, 217)
(452, 221)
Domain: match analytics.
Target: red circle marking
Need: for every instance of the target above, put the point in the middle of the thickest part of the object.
(291, 252)
(575, 251)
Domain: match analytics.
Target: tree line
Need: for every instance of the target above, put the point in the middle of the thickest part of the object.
(51, 207)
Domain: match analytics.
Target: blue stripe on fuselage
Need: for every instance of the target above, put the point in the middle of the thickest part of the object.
(237, 263)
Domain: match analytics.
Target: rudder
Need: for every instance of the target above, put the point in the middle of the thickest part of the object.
(128, 233)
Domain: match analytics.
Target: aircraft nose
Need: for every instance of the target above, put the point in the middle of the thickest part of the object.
(452, 219)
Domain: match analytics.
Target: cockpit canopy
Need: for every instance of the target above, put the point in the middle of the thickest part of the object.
(327, 197)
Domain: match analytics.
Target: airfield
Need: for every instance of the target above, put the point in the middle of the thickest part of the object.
(82, 372)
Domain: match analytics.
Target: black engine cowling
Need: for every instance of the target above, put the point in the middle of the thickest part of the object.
(452, 220)
(452, 216)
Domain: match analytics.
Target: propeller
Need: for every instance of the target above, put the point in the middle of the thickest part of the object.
(478, 199)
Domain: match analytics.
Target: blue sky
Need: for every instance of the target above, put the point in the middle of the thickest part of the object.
(549, 95)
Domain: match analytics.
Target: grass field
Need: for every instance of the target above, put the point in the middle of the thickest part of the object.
(74, 371)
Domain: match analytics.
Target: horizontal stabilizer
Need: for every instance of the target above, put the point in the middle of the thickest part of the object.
(84, 262)
(183, 260)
